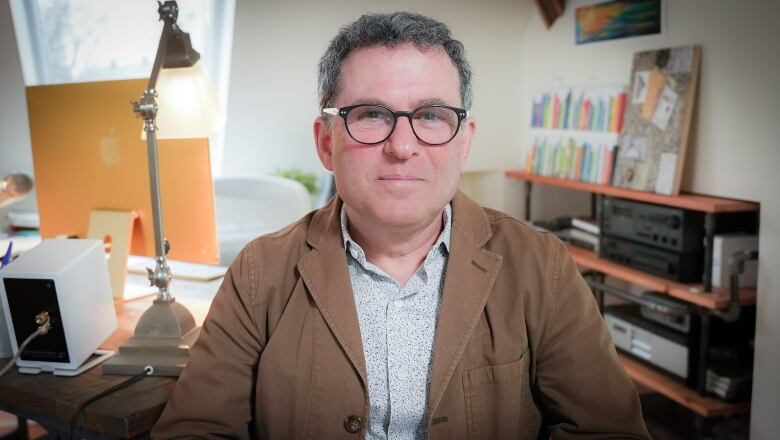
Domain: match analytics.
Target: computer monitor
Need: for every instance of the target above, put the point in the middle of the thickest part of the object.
(88, 154)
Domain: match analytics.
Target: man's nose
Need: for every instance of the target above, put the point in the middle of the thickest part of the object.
(402, 144)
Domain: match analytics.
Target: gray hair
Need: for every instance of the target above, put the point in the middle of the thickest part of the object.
(389, 30)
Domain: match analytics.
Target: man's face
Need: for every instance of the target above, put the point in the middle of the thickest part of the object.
(400, 182)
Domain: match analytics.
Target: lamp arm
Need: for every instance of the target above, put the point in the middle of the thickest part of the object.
(169, 13)
(161, 276)
(161, 47)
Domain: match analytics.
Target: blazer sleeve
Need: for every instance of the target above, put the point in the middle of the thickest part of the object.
(212, 398)
(585, 392)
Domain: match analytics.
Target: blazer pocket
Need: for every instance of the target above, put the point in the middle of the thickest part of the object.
(498, 400)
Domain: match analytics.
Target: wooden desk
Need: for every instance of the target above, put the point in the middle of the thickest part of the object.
(128, 413)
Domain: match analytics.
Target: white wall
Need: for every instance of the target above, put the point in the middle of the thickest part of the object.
(735, 152)
(15, 150)
(273, 90)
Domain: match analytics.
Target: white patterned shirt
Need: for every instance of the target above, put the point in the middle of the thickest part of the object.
(398, 326)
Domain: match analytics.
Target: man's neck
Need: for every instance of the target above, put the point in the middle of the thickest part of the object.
(399, 251)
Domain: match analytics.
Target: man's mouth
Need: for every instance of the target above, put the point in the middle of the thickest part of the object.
(400, 177)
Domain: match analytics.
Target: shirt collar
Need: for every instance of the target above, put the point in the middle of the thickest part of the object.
(357, 252)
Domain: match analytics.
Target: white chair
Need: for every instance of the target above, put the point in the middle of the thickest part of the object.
(247, 207)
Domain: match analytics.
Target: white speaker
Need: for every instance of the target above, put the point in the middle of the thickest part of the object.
(68, 279)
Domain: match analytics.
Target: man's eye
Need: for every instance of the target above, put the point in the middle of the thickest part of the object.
(369, 115)
(429, 116)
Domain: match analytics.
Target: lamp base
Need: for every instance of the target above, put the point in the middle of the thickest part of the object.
(163, 339)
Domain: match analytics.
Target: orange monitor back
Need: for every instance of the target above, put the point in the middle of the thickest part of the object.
(88, 154)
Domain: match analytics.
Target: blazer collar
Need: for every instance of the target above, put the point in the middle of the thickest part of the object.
(471, 272)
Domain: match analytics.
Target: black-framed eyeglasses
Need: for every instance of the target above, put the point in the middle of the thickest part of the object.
(373, 124)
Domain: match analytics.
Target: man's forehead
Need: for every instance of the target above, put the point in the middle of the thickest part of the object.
(426, 74)
(395, 54)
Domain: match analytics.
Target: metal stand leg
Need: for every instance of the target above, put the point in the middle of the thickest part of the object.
(21, 429)
(20, 433)
(528, 189)
(704, 343)
(700, 423)
(600, 277)
(709, 237)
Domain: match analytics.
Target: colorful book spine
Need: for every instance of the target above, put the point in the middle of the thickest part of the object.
(578, 161)
(606, 170)
(528, 165)
(599, 164)
(548, 159)
(612, 113)
(620, 110)
(588, 162)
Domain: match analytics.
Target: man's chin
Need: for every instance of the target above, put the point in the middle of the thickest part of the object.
(405, 213)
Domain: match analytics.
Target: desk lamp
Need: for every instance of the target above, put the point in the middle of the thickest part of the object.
(188, 109)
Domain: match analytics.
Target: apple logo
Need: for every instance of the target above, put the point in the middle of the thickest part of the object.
(109, 149)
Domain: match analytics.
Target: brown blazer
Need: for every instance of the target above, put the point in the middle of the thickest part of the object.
(520, 352)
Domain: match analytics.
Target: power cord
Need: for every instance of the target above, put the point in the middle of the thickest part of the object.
(44, 325)
(148, 370)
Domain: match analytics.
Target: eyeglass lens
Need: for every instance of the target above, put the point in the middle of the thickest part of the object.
(372, 124)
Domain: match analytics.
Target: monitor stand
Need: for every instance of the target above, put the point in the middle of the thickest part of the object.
(115, 228)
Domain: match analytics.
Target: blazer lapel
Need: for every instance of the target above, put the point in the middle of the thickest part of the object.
(324, 270)
(471, 272)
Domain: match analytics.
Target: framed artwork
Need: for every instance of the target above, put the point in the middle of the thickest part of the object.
(617, 19)
(657, 120)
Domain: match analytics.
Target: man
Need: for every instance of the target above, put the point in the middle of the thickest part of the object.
(402, 309)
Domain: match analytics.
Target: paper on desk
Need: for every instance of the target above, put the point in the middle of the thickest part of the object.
(21, 243)
(179, 269)
(134, 291)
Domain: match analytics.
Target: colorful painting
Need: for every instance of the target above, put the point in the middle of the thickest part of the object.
(618, 19)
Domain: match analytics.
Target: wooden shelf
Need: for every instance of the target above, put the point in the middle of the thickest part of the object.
(693, 293)
(672, 389)
(695, 202)
(718, 298)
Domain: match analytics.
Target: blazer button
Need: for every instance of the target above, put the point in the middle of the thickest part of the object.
(353, 424)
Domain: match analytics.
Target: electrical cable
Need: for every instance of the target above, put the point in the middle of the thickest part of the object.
(148, 370)
(42, 330)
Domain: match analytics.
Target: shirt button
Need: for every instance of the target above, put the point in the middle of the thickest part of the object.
(398, 303)
(353, 424)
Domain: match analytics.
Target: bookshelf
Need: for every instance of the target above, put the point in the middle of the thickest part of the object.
(707, 299)
(701, 405)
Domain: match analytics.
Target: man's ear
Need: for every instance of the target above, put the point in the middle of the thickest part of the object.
(469, 129)
(323, 137)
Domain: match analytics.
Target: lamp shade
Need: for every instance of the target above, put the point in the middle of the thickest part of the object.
(187, 104)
